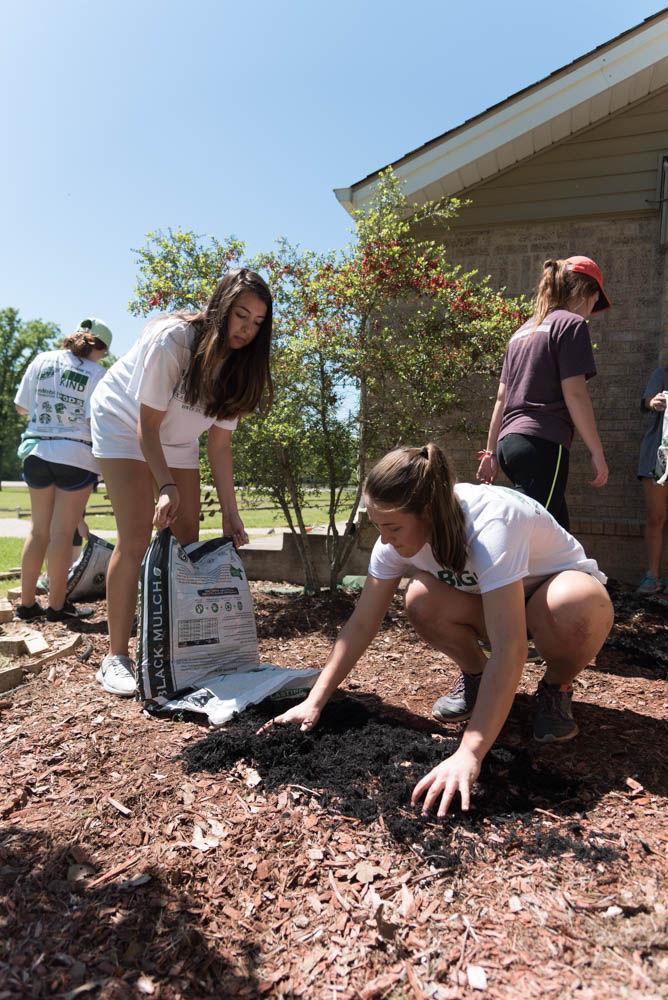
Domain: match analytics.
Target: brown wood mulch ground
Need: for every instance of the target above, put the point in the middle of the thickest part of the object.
(151, 857)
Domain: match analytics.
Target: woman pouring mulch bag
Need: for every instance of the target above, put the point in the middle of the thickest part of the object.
(190, 372)
(485, 562)
(58, 463)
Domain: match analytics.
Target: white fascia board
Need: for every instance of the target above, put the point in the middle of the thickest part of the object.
(623, 61)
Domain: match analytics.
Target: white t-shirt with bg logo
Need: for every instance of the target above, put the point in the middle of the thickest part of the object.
(510, 537)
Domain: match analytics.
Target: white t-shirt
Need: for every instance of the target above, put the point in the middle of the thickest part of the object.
(152, 372)
(510, 537)
(56, 391)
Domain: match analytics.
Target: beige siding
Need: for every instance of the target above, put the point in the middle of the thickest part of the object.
(609, 169)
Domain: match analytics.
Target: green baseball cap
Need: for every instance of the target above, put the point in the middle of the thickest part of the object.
(98, 328)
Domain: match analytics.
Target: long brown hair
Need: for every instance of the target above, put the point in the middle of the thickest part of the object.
(420, 481)
(82, 344)
(227, 383)
(559, 287)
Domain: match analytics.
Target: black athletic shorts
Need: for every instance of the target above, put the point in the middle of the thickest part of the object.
(538, 468)
(39, 474)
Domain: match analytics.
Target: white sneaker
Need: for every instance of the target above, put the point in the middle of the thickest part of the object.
(117, 675)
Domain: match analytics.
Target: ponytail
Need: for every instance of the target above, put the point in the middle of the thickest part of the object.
(82, 344)
(560, 288)
(420, 481)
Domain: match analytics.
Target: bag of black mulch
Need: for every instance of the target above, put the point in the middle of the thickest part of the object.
(87, 577)
(197, 648)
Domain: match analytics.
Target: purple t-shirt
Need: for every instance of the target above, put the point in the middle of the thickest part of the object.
(538, 359)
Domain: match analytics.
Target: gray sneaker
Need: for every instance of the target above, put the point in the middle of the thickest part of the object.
(553, 719)
(117, 675)
(458, 704)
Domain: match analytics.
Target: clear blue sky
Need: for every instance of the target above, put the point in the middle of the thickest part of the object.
(233, 118)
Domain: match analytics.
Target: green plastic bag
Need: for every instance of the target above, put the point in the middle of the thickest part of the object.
(26, 446)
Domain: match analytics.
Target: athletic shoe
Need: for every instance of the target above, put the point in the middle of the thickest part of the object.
(458, 704)
(29, 614)
(648, 585)
(117, 675)
(553, 718)
(68, 613)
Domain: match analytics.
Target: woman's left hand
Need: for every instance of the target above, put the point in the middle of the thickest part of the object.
(456, 774)
(488, 469)
(234, 526)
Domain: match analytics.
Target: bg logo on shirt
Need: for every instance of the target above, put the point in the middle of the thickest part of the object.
(456, 579)
(74, 380)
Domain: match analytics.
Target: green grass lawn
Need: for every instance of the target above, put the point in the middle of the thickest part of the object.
(254, 516)
(263, 515)
(10, 558)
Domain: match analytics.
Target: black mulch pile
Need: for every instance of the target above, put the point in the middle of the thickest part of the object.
(363, 765)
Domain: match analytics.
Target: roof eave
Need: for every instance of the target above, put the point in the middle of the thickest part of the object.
(568, 101)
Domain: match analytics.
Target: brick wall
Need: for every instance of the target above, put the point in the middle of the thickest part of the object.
(630, 337)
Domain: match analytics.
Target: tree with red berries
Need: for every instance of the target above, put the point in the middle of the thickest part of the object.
(388, 324)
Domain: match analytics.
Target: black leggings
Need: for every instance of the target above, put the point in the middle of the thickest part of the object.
(538, 468)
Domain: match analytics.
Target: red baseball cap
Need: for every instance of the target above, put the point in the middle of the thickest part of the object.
(585, 265)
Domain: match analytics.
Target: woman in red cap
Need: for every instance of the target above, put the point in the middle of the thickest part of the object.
(542, 395)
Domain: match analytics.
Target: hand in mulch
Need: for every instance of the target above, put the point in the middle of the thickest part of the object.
(305, 715)
(456, 774)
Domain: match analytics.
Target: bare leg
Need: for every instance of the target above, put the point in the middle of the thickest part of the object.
(130, 486)
(186, 525)
(656, 509)
(37, 542)
(569, 616)
(448, 619)
(67, 510)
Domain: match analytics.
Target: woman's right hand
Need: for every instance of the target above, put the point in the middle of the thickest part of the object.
(166, 506)
(488, 469)
(658, 402)
(305, 715)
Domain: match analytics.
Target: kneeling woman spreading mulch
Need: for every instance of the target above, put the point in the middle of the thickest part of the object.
(485, 563)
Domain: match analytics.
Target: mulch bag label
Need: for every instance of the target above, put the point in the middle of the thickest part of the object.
(661, 471)
(87, 578)
(197, 648)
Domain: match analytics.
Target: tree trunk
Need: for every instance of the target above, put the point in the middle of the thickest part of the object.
(345, 546)
(312, 582)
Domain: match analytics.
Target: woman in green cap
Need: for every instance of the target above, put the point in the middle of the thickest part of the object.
(58, 463)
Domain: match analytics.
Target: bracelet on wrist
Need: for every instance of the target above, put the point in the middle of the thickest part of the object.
(486, 453)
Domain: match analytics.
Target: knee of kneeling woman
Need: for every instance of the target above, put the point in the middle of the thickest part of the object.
(416, 600)
(590, 621)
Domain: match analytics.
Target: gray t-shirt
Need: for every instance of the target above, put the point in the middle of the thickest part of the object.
(537, 360)
(657, 382)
